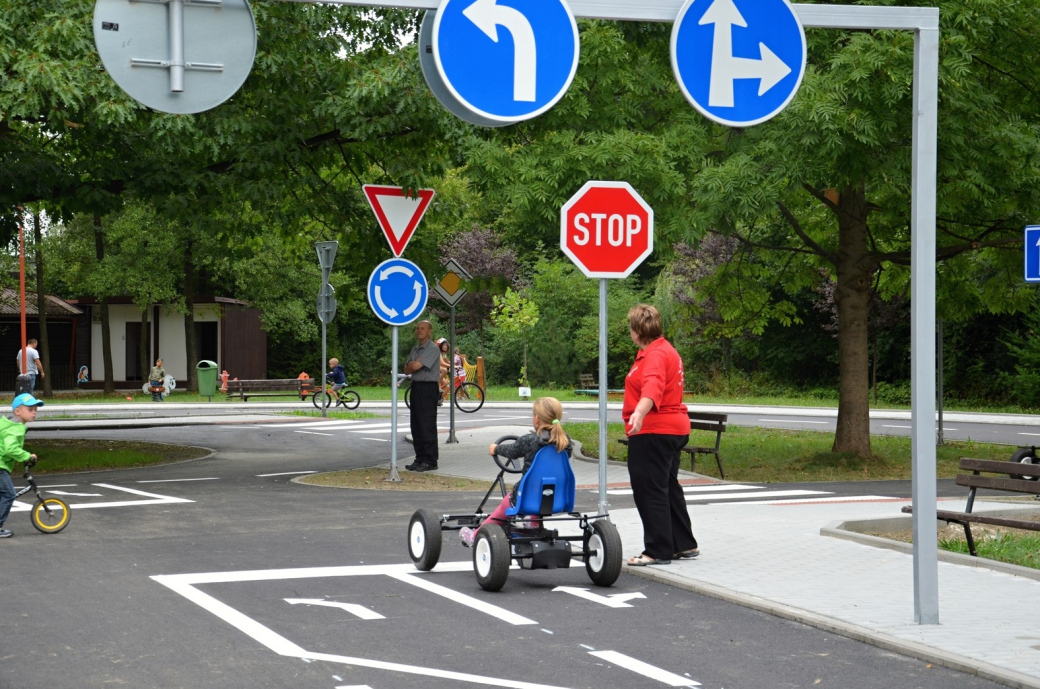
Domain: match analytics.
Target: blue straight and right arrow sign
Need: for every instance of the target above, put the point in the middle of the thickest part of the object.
(1032, 253)
(739, 62)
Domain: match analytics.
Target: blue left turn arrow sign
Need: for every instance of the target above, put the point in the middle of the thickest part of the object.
(1032, 253)
(397, 291)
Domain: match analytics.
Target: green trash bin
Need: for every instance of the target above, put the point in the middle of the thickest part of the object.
(206, 373)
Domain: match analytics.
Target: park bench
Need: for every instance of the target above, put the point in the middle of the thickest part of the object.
(276, 387)
(587, 386)
(1009, 478)
(703, 421)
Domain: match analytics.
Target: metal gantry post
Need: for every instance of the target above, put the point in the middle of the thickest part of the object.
(922, 323)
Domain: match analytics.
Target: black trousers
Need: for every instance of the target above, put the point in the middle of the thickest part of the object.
(424, 421)
(653, 467)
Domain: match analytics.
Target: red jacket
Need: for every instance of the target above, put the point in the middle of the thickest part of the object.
(658, 374)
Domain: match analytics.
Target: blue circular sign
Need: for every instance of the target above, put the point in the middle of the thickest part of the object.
(506, 60)
(739, 62)
(397, 291)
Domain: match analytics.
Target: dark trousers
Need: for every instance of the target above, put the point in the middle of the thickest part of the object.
(7, 493)
(424, 421)
(653, 467)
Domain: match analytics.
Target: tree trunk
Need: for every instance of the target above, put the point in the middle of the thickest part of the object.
(41, 309)
(142, 346)
(189, 319)
(106, 326)
(852, 298)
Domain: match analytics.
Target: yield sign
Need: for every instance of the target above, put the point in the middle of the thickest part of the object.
(398, 214)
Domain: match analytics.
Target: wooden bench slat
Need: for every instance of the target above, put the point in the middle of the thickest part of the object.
(1014, 485)
(997, 467)
(713, 427)
(961, 517)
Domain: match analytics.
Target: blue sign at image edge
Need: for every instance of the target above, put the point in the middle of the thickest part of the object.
(1031, 253)
(397, 291)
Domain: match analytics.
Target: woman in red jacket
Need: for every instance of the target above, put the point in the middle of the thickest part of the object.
(658, 427)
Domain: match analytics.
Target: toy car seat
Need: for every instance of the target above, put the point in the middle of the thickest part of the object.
(548, 486)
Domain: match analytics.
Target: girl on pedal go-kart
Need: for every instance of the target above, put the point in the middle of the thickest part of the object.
(547, 412)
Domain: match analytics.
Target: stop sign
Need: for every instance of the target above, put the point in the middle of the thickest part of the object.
(607, 229)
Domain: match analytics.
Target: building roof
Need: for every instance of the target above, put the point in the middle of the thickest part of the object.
(10, 305)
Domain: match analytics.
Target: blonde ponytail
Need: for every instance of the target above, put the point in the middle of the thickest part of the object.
(549, 412)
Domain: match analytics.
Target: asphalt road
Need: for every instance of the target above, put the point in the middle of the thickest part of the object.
(206, 573)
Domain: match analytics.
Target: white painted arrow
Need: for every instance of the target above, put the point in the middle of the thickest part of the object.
(616, 600)
(487, 16)
(358, 610)
(396, 269)
(418, 298)
(379, 300)
(725, 68)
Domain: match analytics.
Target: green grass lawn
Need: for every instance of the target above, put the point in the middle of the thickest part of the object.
(93, 455)
(1016, 548)
(767, 455)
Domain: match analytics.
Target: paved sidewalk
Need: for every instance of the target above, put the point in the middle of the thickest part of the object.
(774, 558)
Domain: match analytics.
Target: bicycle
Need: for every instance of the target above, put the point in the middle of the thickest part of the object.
(344, 397)
(48, 515)
(468, 397)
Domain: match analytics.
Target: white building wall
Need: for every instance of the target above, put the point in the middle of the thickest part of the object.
(171, 339)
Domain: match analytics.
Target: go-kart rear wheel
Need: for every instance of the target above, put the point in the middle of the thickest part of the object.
(491, 557)
(602, 550)
(1025, 455)
(424, 540)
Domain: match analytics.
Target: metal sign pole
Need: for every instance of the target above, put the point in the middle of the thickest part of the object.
(393, 406)
(451, 378)
(603, 505)
(321, 374)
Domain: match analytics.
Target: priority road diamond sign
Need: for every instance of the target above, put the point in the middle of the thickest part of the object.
(449, 288)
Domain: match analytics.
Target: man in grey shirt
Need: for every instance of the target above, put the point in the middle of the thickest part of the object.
(33, 367)
(424, 365)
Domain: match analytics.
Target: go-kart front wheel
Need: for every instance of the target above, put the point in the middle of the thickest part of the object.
(424, 540)
(602, 550)
(491, 557)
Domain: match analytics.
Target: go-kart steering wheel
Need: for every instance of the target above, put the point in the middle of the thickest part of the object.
(510, 466)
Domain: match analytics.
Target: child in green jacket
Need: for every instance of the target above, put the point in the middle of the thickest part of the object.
(12, 437)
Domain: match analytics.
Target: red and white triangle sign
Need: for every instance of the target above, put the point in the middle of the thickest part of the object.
(398, 213)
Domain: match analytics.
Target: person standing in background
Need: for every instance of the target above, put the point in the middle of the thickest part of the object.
(33, 366)
(424, 366)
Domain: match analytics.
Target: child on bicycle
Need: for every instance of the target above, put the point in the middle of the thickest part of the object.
(336, 375)
(12, 437)
(547, 412)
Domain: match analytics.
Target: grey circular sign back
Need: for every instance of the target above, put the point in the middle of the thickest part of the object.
(134, 42)
(436, 83)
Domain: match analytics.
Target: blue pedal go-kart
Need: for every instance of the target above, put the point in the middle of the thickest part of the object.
(544, 496)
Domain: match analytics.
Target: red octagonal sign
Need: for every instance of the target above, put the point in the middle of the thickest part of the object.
(607, 229)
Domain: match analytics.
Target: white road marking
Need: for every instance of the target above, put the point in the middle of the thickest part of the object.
(462, 598)
(179, 480)
(313, 424)
(821, 423)
(287, 473)
(314, 433)
(762, 494)
(1024, 433)
(645, 669)
(614, 600)
(847, 498)
(351, 686)
(886, 425)
(59, 485)
(77, 495)
(155, 499)
(378, 440)
(713, 488)
(354, 609)
(185, 584)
